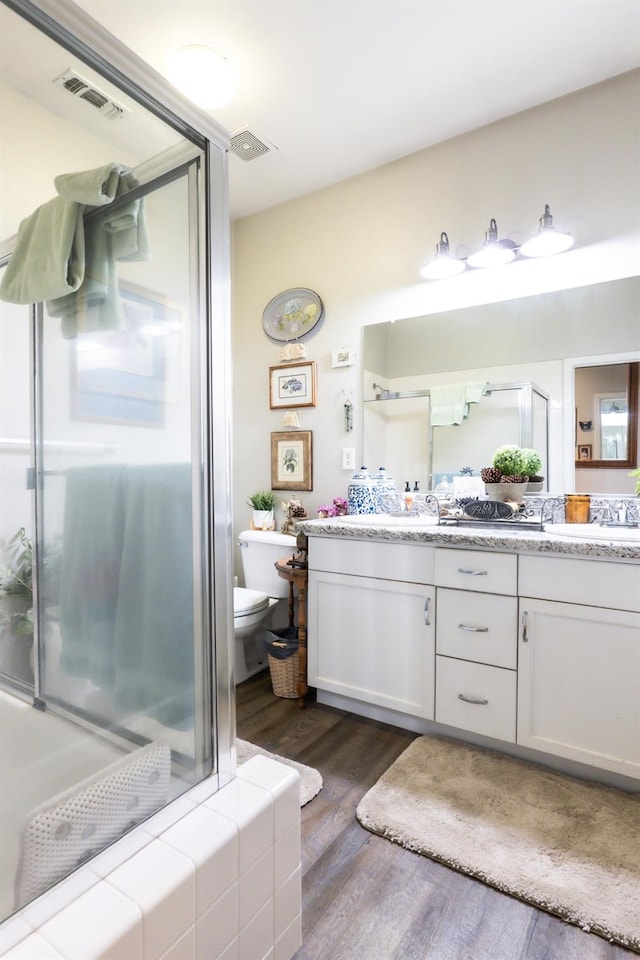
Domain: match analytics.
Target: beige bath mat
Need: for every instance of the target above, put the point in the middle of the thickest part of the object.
(567, 846)
(311, 781)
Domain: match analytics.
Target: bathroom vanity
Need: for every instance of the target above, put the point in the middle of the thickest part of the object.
(520, 639)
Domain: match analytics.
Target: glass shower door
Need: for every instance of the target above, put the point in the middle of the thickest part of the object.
(120, 470)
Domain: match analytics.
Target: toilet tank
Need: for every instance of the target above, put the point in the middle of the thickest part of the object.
(260, 550)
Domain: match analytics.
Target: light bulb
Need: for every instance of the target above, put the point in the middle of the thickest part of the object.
(203, 75)
(443, 265)
(493, 252)
(547, 241)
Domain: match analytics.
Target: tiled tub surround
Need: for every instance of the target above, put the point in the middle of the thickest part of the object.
(212, 876)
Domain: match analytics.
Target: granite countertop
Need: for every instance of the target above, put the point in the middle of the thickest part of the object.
(509, 538)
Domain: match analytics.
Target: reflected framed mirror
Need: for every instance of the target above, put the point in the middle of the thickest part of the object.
(606, 404)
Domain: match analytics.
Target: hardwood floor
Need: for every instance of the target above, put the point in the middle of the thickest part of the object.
(365, 898)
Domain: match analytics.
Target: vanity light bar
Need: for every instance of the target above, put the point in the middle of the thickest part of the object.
(547, 242)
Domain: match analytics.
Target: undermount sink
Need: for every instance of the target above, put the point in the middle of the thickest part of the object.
(389, 520)
(591, 531)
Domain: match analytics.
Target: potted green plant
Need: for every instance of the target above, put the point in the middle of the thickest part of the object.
(636, 473)
(262, 502)
(16, 607)
(531, 467)
(506, 478)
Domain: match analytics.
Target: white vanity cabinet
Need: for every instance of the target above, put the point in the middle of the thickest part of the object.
(476, 642)
(371, 614)
(579, 661)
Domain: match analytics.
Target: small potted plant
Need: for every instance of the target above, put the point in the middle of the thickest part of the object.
(506, 478)
(531, 467)
(263, 502)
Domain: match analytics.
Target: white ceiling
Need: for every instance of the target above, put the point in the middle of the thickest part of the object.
(342, 86)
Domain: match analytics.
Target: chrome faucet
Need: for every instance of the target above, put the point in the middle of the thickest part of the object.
(618, 515)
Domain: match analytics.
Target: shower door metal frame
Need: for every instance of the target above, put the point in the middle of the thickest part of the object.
(70, 26)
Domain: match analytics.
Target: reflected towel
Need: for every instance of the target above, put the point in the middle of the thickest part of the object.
(126, 607)
(450, 402)
(93, 534)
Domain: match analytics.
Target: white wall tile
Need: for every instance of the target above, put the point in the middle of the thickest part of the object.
(184, 948)
(169, 815)
(162, 882)
(290, 941)
(12, 931)
(50, 903)
(256, 940)
(217, 929)
(34, 947)
(287, 903)
(211, 842)
(102, 924)
(286, 855)
(120, 851)
(251, 809)
(255, 887)
(282, 782)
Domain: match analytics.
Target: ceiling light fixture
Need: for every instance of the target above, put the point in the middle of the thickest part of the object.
(204, 75)
(443, 264)
(547, 241)
(493, 252)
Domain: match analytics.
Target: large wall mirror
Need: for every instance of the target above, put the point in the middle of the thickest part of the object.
(553, 341)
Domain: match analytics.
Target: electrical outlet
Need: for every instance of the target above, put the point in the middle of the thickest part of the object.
(348, 458)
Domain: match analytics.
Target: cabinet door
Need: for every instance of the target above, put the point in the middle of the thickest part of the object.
(579, 684)
(372, 640)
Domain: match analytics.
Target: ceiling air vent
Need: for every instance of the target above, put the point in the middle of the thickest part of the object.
(76, 85)
(247, 146)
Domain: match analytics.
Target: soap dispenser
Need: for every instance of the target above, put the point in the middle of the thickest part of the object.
(362, 493)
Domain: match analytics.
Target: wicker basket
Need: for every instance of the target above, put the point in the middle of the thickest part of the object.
(284, 676)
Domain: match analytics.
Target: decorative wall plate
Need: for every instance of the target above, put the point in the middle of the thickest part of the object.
(292, 315)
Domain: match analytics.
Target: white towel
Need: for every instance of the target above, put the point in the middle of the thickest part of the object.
(450, 402)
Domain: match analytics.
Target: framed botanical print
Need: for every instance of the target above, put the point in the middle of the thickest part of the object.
(292, 385)
(291, 460)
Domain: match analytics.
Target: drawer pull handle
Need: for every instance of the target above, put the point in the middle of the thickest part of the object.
(479, 700)
(473, 573)
(427, 610)
(467, 626)
(525, 638)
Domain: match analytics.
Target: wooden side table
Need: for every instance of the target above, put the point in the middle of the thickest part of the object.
(294, 570)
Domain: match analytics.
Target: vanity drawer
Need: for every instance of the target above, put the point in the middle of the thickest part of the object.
(489, 704)
(595, 583)
(409, 562)
(477, 626)
(477, 570)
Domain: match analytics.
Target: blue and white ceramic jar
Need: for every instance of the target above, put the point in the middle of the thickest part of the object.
(362, 495)
(385, 486)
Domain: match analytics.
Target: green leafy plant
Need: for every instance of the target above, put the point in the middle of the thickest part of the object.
(509, 460)
(636, 473)
(532, 461)
(16, 580)
(262, 500)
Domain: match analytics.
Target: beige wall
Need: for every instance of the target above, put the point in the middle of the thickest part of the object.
(360, 245)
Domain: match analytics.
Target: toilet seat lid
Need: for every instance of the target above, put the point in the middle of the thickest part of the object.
(247, 601)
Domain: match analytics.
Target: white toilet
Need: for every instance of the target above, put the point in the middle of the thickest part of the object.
(264, 602)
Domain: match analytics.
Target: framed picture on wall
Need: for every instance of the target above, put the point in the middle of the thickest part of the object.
(584, 451)
(291, 460)
(292, 385)
(118, 375)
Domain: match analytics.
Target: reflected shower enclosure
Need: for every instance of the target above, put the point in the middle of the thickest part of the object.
(115, 677)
